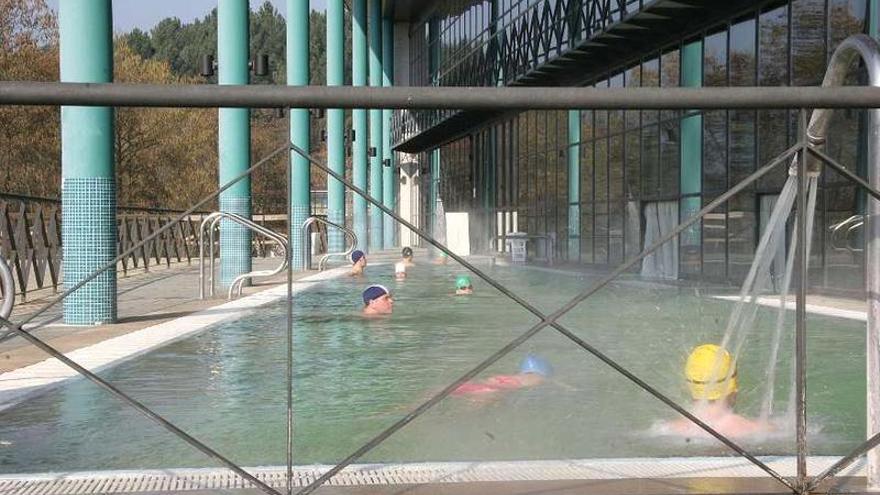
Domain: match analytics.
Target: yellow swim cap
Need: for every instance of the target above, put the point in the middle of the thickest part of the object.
(710, 372)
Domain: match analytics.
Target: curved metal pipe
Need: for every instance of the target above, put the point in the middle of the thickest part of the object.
(866, 48)
(7, 281)
(214, 218)
(307, 254)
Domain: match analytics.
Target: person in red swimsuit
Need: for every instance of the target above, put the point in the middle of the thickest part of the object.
(533, 370)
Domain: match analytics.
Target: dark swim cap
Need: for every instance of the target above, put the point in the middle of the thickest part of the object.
(407, 252)
(356, 256)
(374, 292)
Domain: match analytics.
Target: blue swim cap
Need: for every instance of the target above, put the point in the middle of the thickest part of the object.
(374, 292)
(534, 364)
(356, 255)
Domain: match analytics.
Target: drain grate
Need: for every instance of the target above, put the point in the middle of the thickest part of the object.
(183, 480)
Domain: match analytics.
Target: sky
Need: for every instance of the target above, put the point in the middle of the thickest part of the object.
(129, 14)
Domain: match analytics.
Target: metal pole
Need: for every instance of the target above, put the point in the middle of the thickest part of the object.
(551, 321)
(290, 227)
(800, 313)
(435, 97)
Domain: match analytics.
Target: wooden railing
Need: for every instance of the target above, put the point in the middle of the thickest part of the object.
(30, 239)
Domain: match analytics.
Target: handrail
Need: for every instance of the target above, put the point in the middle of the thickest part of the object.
(307, 253)
(215, 217)
(849, 244)
(7, 282)
(260, 229)
(854, 219)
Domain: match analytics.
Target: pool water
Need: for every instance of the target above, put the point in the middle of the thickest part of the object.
(356, 376)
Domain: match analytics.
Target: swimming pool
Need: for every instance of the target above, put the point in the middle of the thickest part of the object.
(354, 377)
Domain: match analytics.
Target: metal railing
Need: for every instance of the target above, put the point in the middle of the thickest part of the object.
(307, 249)
(7, 288)
(846, 226)
(805, 149)
(235, 287)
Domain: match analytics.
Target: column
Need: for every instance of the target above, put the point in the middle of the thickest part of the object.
(359, 119)
(234, 139)
(88, 185)
(298, 75)
(335, 126)
(376, 180)
(574, 185)
(389, 165)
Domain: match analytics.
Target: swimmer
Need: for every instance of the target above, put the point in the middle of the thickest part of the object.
(407, 255)
(533, 371)
(463, 286)
(441, 259)
(710, 372)
(377, 301)
(400, 271)
(358, 263)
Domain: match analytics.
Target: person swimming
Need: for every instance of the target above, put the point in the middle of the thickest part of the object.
(377, 301)
(400, 271)
(407, 255)
(441, 259)
(533, 371)
(711, 375)
(463, 286)
(358, 263)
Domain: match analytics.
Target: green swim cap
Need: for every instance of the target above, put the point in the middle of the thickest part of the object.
(462, 282)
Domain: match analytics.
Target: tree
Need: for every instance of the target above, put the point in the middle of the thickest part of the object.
(29, 136)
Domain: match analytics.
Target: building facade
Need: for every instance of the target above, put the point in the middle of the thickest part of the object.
(592, 187)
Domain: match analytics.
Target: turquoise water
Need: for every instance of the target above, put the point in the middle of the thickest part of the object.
(354, 377)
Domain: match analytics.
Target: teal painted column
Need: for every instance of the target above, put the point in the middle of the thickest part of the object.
(234, 139)
(874, 19)
(359, 119)
(88, 184)
(335, 126)
(434, 155)
(298, 75)
(388, 161)
(574, 185)
(376, 180)
(691, 164)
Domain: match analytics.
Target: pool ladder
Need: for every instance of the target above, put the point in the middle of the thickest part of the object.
(236, 286)
(7, 285)
(842, 231)
(307, 251)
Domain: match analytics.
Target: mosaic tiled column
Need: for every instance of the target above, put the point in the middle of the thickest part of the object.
(574, 181)
(388, 162)
(298, 75)
(234, 139)
(335, 126)
(377, 238)
(359, 120)
(88, 187)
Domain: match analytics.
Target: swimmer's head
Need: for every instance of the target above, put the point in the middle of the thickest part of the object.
(463, 282)
(535, 364)
(356, 256)
(377, 299)
(407, 252)
(710, 372)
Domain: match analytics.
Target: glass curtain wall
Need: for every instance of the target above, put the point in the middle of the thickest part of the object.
(631, 159)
